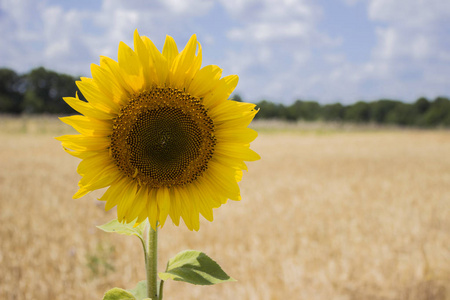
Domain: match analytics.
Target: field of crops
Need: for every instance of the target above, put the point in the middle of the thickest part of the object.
(329, 212)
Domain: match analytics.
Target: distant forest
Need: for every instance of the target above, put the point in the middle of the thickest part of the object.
(41, 91)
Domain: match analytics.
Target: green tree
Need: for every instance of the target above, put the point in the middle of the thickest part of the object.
(45, 90)
(438, 113)
(236, 97)
(421, 105)
(270, 110)
(333, 112)
(379, 110)
(403, 114)
(303, 110)
(358, 112)
(10, 95)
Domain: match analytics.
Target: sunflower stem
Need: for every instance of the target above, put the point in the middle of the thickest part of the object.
(161, 285)
(152, 263)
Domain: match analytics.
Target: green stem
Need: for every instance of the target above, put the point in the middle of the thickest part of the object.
(152, 263)
(161, 286)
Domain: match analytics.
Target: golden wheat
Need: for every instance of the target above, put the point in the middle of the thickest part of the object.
(326, 214)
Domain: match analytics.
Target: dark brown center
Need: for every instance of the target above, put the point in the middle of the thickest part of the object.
(163, 138)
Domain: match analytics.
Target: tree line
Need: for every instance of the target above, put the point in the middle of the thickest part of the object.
(41, 91)
(38, 91)
(421, 113)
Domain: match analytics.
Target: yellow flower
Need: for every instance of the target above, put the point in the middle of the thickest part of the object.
(159, 131)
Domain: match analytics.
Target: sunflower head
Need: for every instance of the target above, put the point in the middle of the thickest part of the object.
(159, 131)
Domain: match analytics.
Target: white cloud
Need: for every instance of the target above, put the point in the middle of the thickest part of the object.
(188, 7)
(410, 28)
(350, 2)
(270, 20)
(18, 26)
(269, 9)
(412, 36)
(395, 43)
(118, 19)
(278, 39)
(410, 57)
(335, 58)
(279, 48)
(263, 32)
(65, 39)
(409, 13)
(36, 34)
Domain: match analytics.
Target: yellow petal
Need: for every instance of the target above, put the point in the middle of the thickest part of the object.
(119, 74)
(112, 194)
(194, 68)
(212, 195)
(229, 161)
(94, 164)
(239, 174)
(185, 206)
(184, 62)
(81, 192)
(170, 50)
(160, 63)
(189, 199)
(95, 181)
(236, 135)
(139, 203)
(205, 80)
(221, 92)
(79, 154)
(229, 110)
(88, 126)
(163, 199)
(86, 109)
(195, 197)
(95, 97)
(148, 68)
(130, 64)
(175, 207)
(142, 216)
(223, 179)
(84, 143)
(108, 84)
(237, 151)
(202, 200)
(126, 201)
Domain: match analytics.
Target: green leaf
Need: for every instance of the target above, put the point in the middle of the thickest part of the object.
(124, 228)
(118, 294)
(140, 291)
(194, 267)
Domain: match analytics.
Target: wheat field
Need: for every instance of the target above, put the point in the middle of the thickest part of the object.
(327, 213)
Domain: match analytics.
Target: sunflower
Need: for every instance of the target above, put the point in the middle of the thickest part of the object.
(159, 131)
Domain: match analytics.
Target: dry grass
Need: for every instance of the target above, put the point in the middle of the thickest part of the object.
(341, 215)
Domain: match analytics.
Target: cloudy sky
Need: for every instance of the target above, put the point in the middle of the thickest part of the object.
(282, 50)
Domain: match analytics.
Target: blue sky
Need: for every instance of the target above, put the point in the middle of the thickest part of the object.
(282, 50)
